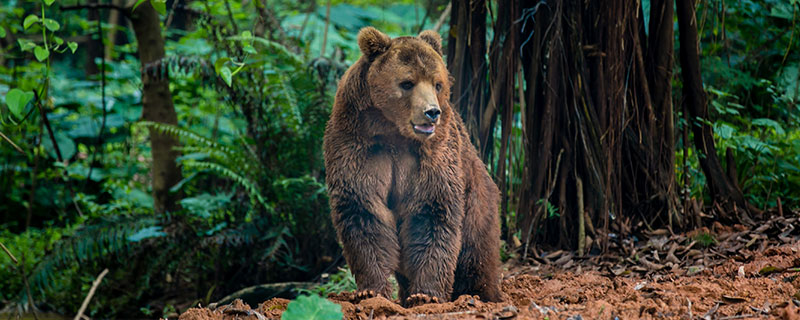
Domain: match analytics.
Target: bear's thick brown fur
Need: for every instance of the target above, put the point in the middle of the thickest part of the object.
(408, 193)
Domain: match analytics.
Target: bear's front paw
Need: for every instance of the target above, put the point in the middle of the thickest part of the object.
(354, 297)
(365, 294)
(419, 299)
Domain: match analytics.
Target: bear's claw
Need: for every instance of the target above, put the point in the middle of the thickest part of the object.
(419, 299)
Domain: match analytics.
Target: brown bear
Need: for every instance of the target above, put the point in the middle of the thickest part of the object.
(408, 193)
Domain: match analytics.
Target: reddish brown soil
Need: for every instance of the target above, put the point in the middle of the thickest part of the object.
(718, 292)
(742, 273)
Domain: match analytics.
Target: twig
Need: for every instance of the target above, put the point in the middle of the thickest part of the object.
(325, 32)
(57, 148)
(91, 293)
(14, 259)
(99, 143)
(690, 308)
(11, 143)
(21, 268)
(711, 312)
(446, 315)
(740, 316)
(444, 15)
(171, 14)
(425, 17)
(581, 217)
(230, 16)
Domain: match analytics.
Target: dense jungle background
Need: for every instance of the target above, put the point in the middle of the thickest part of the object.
(177, 144)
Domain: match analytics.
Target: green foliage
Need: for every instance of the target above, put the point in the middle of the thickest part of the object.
(751, 77)
(704, 239)
(312, 307)
(338, 282)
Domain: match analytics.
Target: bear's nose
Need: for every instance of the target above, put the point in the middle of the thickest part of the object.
(433, 113)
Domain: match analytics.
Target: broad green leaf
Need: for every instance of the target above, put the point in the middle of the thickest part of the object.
(72, 46)
(247, 34)
(51, 24)
(16, 100)
(138, 2)
(25, 45)
(219, 63)
(160, 6)
(49, 2)
(312, 307)
(58, 40)
(723, 130)
(149, 232)
(226, 75)
(41, 53)
(766, 122)
(2, 32)
(65, 145)
(29, 20)
(249, 49)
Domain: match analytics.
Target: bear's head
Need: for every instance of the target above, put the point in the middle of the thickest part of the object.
(408, 81)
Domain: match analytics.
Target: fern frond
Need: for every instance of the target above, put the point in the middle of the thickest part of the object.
(107, 236)
(251, 188)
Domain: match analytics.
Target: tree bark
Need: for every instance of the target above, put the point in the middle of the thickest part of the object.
(598, 109)
(723, 191)
(157, 106)
(503, 69)
(466, 59)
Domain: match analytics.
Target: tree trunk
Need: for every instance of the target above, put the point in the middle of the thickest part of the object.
(157, 107)
(503, 69)
(598, 106)
(466, 59)
(723, 190)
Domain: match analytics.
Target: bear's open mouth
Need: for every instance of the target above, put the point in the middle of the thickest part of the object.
(424, 128)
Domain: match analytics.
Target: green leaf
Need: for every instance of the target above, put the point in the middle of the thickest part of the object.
(159, 5)
(29, 20)
(2, 32)
(247, 35)
(766, 122)
(138, 2)
(149, 232)
(49, 2)
(51, 24)
(312, 307)
(219, 63)
(16, 100)
(226, 75)
(41, 53)
(769, 269)
(58, 40)
(249, 49)
(25, 45)
(72, 46)
(65, 145)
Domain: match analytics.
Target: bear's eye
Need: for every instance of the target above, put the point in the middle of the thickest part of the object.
(438, 87)
(406, 85)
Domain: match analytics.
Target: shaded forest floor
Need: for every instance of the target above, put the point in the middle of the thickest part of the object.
(712, 273)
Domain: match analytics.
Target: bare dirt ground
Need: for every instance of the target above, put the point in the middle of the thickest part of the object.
(745, 273)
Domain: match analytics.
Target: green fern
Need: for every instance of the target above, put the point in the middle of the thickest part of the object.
(233, 163)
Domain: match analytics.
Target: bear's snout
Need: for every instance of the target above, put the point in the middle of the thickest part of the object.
(433, 112)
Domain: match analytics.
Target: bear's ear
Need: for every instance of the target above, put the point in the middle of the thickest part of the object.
(432, 38)
(373, 42)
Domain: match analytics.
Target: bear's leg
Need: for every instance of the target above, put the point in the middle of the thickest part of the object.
(430, 242)
(478, 271)
(402, 286)
(369, 244)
